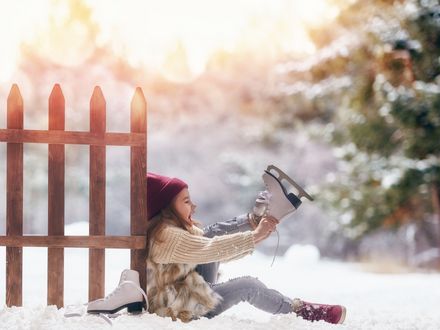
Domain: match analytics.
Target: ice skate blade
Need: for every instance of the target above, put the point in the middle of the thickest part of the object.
(282, 175)
(133, 308)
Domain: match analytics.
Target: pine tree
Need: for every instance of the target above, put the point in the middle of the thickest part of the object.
(384, 115)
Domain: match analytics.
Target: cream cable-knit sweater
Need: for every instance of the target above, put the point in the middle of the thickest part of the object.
(191, 247)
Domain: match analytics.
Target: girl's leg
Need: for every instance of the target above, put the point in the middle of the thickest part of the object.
(235, 225)
(209, 271)
(252, 290)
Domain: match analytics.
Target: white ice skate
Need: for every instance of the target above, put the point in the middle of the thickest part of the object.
(128, 295)
(282, 202)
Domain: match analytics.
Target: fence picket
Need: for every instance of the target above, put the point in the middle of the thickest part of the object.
(14, 197)
(56, 170)
(138, 192)
(97, 195)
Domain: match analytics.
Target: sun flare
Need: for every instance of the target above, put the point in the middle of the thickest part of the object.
(175, 38)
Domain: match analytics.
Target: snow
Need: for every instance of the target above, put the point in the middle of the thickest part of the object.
(373, 300)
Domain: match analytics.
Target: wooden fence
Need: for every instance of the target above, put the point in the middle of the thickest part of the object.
(56, 137)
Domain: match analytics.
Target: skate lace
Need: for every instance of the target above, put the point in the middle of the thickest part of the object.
(276, 249)
(118, 288)
(133, 284)
(112, 293)
(268, 197)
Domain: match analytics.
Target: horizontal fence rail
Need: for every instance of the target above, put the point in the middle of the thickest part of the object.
(56, 138)
(96, 242)
(68, 137)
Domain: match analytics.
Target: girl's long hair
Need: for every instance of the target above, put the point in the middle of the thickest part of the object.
(156, 224)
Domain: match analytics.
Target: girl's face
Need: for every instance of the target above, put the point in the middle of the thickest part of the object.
(183, 205)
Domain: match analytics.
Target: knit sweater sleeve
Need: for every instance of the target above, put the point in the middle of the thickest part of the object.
(181, 246)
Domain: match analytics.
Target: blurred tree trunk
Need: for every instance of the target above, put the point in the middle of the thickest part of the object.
(436, 209)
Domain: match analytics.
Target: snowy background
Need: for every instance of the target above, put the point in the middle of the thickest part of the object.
(273, 84)
(398, 300)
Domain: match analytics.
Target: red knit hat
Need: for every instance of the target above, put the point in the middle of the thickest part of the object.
(160, 192)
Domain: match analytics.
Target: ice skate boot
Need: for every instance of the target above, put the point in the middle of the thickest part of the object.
(128, 295)
(319, 312)
(282, 202)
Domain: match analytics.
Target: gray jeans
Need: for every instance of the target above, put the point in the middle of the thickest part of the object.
(244, 288)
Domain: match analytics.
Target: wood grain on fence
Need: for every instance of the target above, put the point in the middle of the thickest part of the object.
(14, 200)
(138, 170)
(68, 137)
(97, 196)
(56, 165)
(95, 242)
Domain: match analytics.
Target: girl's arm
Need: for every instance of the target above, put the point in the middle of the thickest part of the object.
(237, 224)
(176, 245)
(180, 246)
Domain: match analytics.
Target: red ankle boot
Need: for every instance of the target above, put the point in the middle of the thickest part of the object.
(317, 312)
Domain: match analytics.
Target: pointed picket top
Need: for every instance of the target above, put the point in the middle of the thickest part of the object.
(56, 108)
(56, 96)
(14, 92)
(14, 97)
(138, 99)
(138, 114)
(15, 108)
(97, 99)
(97, 111)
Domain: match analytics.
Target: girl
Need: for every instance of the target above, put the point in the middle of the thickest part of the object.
(182, 261)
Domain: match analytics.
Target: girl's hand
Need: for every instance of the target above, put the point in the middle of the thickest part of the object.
(266, 226)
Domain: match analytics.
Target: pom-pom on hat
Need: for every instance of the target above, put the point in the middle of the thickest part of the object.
(160, 192)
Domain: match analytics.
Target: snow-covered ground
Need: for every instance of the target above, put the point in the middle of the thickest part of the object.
(373, 301)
